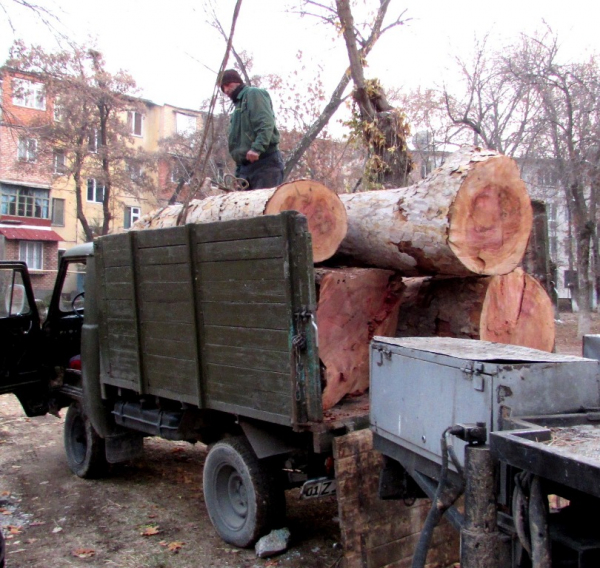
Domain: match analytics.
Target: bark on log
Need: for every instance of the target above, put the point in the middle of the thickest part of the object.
(512, 308)
(354, 304)
(325, 212)
(470, 216)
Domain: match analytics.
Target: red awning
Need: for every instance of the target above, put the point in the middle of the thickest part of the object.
(19, 234)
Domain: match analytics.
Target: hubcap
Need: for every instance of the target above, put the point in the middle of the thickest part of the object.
(232, 497)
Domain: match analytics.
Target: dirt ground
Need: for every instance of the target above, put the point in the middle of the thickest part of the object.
(148, 514)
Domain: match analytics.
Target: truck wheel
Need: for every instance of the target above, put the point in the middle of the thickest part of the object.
(242, 500)
(85, 449)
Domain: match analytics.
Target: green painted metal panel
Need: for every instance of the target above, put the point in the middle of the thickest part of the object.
(119, 355)
(209, 314)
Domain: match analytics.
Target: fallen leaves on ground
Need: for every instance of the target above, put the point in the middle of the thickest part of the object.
(173, 547)
(13, 529)
(84, 552)
(150, 530)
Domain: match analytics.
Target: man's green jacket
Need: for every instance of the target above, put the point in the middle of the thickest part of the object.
(252, 125)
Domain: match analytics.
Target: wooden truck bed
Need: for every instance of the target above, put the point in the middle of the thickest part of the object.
(217, 315)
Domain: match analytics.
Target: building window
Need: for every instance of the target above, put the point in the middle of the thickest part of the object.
(134, 170)
(58, 212)
(32, 252)
(547, 177)
(60, 163)
(135, 121)
(95, 191)
(94, 141)
(28, 94)
(132, 214)
(178, 171)
(27, 150)
(25, 202)
(185, 124)
(58, 112)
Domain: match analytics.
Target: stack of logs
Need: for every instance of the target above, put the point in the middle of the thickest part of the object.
(438, 258)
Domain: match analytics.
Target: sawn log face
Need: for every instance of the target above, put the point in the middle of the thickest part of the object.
(354, 305)
(322, 207)
(512, 309)
(470, 216)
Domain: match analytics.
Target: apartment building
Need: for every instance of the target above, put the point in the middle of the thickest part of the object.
(38, 213)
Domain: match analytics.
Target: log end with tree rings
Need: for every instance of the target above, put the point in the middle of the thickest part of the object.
(325, 213)
(518, 311)
(491, 218)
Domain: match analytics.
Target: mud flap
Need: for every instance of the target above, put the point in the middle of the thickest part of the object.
(124, 447)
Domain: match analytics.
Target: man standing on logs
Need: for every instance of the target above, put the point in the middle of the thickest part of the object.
(253, 135)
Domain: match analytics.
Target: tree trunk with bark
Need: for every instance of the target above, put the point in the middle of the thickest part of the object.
(470, 216)
(325, 212)
(512, 308)
(354, 304)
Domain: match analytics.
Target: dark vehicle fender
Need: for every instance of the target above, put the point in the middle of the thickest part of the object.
(267, 440)
(98, 414)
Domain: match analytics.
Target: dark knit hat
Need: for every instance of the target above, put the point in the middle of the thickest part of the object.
(231, 76)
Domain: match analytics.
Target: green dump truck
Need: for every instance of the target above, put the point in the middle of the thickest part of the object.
(204, 333)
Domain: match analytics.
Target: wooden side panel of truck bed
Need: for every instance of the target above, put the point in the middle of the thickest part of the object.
(215, 315)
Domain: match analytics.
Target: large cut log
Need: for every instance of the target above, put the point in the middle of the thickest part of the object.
(470, 216)
(325, 212)
(512, 308)
(354, 304)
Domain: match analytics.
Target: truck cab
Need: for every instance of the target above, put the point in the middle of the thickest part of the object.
(39, 362)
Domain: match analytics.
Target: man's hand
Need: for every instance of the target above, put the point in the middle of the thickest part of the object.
(252, 156)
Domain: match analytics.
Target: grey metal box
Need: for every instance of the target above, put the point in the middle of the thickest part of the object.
(420, 386)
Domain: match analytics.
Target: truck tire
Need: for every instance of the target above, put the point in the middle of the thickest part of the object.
(242, 498)
(85, 449)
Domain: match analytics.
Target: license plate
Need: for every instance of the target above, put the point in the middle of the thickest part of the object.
(320, 487)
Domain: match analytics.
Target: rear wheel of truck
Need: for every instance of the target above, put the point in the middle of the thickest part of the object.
(85, 449)
(242, 498)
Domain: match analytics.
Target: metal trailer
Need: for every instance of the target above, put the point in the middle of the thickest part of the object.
(204, 333)
(458, 416)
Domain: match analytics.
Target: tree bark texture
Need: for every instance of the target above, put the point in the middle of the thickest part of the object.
(325, 212)
(512, 308)
(470, 216)
(354, 304)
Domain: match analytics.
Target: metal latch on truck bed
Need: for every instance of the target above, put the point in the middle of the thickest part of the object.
(383, 352)
(475, 371)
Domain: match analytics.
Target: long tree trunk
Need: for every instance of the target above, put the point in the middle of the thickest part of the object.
(470, 216)
(512, 308)
(325, 212)
(354, 304)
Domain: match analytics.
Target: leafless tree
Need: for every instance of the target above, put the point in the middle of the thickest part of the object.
(89, 125)
(524, 102)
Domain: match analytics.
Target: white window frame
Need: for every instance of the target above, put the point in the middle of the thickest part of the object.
(59, 160)
(175, 169)
(28, 94)
(132, 121)
(97, 191)
(27, 150)
(57, 111)
(54, 221)
(94, 141)
(135, 170)
(185, 124)
(132, 214)
(32, 252)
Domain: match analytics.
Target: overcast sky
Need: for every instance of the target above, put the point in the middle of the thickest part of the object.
(173, 54)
